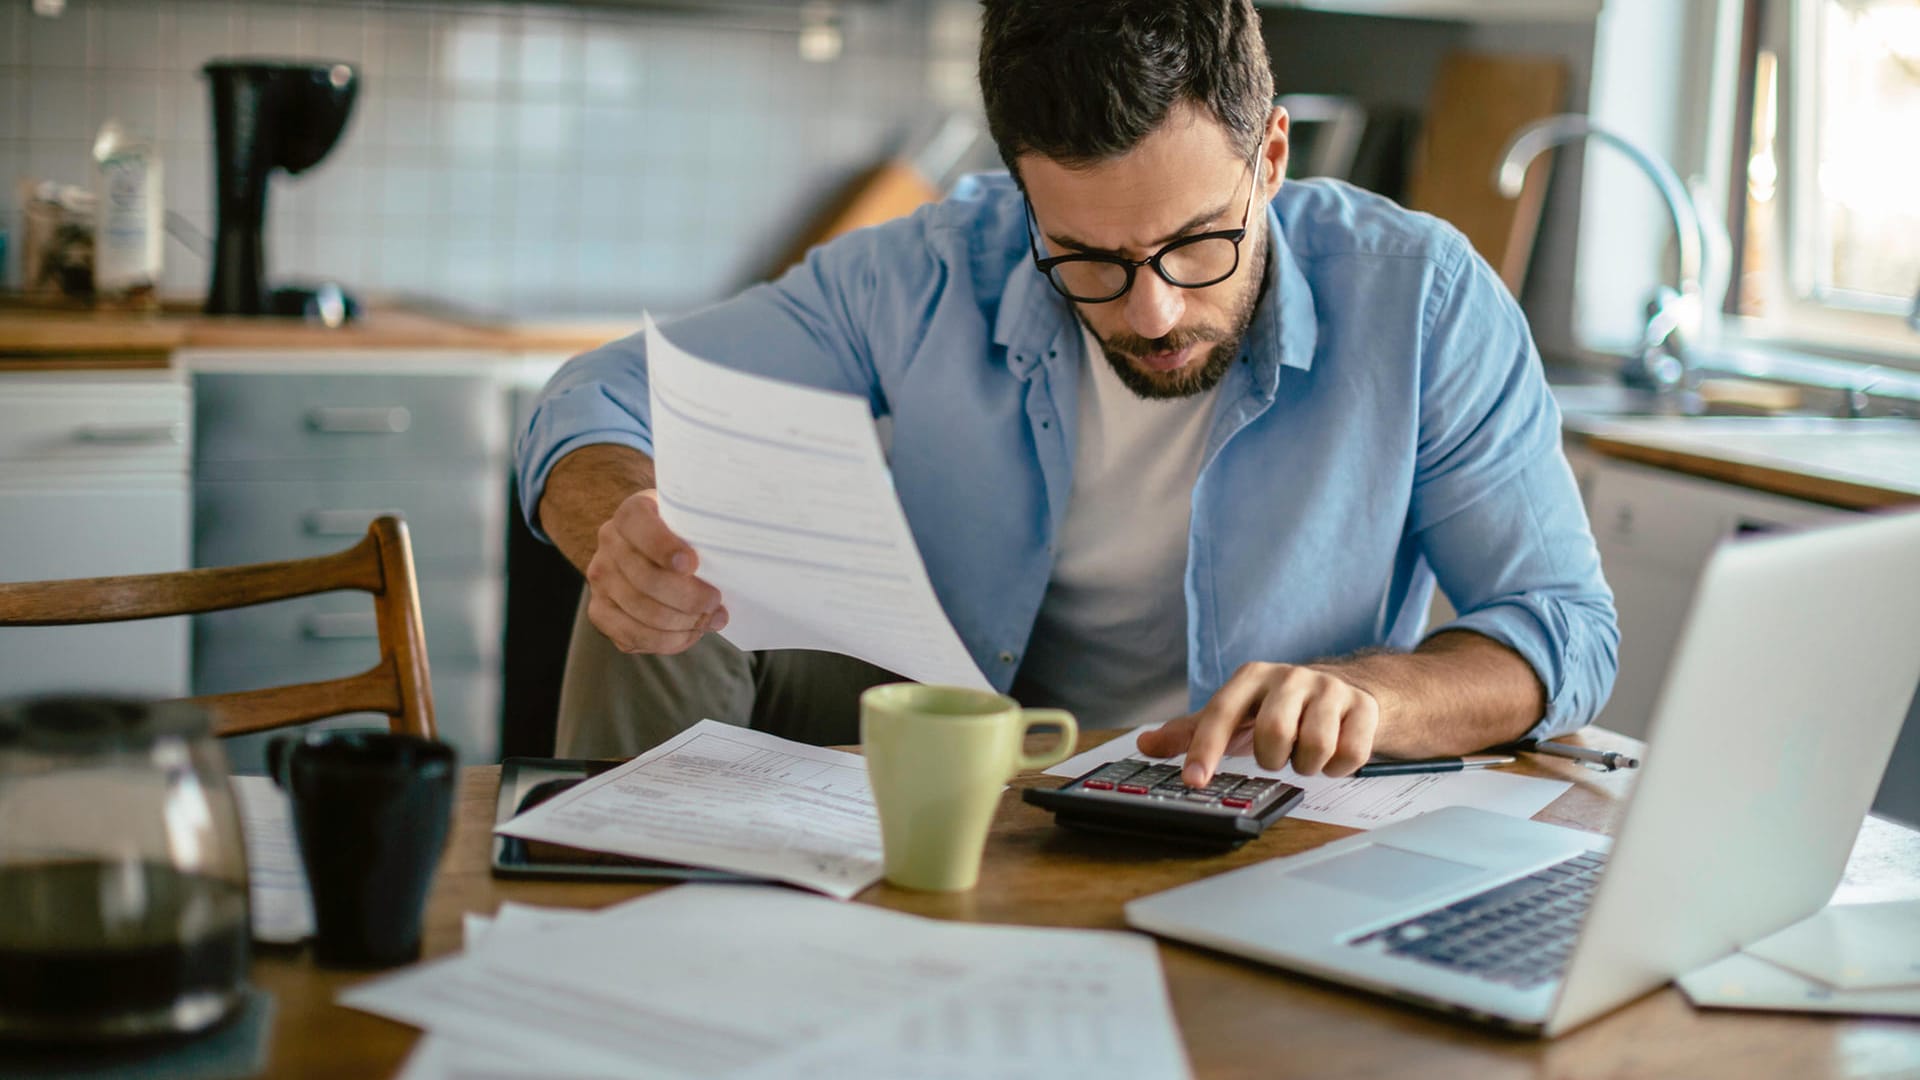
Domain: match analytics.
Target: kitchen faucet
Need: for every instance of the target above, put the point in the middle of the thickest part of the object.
(1674, 315)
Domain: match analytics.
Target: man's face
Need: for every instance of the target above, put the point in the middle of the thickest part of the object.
(1185, 178)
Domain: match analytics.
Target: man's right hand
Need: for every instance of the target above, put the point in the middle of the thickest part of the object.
(643, 592)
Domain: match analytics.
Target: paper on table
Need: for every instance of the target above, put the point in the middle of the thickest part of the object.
(784, 493)
(1744, 981)
(731, 798)
(697, 980)
(720, 980)
(276, 881)
(1072, 1002)
(1851, 946)
(1366, 803)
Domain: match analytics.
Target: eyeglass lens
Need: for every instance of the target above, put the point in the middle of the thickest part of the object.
(1202, 262)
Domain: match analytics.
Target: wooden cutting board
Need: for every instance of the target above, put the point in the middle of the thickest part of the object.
(890, 190)
(1478, 102)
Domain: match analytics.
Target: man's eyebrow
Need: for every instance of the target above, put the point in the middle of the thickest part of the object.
(1192, 223)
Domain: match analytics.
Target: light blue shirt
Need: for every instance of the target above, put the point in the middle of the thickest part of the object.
(1388, 424)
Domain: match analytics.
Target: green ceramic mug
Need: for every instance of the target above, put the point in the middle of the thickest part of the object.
(937, 760)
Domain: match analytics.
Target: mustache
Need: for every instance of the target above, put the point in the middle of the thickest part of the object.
(1179, 338)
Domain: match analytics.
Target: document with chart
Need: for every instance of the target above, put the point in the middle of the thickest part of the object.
(784, 493)
(728, 798)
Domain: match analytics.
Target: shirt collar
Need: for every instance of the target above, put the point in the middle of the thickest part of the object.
(1035, 323)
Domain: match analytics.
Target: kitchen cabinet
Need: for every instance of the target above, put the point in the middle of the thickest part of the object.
(94, 482)
(296, 454)
(1655, 530)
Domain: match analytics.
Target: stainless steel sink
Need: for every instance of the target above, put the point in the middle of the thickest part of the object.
(1603, 400)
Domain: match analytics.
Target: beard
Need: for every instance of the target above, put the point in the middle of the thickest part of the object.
(1123, 350)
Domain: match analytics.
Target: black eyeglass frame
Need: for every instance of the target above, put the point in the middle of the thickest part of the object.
(1132, 266)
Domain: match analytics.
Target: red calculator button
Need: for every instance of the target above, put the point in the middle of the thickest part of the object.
(1237, 804)
(1098, 785)
(1133, 789)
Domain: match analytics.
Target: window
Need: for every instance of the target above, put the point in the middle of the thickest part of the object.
(1831, 244)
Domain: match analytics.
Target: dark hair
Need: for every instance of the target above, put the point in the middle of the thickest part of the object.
(1083, 81)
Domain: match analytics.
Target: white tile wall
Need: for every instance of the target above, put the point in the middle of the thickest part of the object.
(534, 157)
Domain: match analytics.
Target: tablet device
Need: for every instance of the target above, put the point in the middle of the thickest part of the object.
(524, 783)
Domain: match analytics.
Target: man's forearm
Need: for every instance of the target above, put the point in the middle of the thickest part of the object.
(582, 492)
(1457, 693)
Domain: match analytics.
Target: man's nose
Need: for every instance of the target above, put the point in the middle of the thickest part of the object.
(1153, 306)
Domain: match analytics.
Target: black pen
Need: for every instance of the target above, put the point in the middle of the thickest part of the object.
(1385, 767)
(1605, 759)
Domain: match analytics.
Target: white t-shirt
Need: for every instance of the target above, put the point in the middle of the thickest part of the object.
(1110, 643)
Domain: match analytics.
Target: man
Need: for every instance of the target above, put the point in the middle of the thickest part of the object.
(1181, 443)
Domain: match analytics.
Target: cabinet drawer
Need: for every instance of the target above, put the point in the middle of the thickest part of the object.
(453, 522)
(81, 426)
(323, 637)
(401, 419)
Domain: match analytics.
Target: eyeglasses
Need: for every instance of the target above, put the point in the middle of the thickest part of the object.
(1191, 262)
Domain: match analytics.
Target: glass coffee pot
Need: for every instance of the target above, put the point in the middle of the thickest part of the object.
(123, 877)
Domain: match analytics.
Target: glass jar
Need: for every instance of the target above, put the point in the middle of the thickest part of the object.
(123, 876)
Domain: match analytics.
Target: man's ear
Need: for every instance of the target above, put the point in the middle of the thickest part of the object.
(1274, 153)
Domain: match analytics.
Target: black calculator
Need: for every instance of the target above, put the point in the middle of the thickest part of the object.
(1144, 798)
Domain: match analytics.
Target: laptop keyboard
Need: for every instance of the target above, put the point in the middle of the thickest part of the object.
(1520, 933)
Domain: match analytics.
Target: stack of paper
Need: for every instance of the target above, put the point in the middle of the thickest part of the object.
(277, 883)
(729, 798)
(1847, 958)
(752, 981)
(1362, 803)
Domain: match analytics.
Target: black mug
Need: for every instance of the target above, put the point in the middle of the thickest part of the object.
(371, 811)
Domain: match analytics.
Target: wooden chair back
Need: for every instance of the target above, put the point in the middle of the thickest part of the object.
(381, 564)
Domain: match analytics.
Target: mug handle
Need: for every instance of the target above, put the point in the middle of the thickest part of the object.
(1059, 752)
(279, 759)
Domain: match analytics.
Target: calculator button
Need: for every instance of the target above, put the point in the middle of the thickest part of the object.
(1117, 771)
(1237, 802)
(1154, 774)
(1097, 785)
(1132, 789)
(1201, 797)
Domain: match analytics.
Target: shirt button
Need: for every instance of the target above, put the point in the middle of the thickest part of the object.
(1006, 657)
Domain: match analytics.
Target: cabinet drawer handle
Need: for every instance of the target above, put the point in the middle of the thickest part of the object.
(335, 626)
(340, 522)
(174, 434)
(360, 420)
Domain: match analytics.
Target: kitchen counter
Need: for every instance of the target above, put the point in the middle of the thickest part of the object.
(57, 338)
(1853, 464)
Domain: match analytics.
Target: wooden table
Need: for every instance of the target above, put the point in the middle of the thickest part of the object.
(1238, 1019)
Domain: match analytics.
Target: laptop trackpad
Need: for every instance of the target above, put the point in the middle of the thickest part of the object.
(1387, 873)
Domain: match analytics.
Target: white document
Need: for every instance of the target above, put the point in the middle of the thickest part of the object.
(1851, 946)
(1071, 1002)
(276, 879)
(729, 798)
(1744, 981)
(1365, 803)
(784, 493)
(715, 980)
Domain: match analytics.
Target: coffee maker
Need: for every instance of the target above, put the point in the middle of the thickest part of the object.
(267, 115)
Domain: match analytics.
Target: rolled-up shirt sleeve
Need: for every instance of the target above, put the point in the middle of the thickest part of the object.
(1495, 506)
(808, 327)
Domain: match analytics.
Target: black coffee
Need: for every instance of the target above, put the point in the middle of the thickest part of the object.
(86, 941)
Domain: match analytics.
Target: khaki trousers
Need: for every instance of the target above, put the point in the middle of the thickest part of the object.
(616, 705)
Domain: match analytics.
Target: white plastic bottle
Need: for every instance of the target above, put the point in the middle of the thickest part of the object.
(130, 224)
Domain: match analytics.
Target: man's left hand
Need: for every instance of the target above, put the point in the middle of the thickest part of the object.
(1310, 715)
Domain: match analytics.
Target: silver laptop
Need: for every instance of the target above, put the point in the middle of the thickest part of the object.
(1778, 714)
